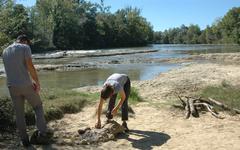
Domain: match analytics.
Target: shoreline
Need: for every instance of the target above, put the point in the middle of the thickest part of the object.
(225, 58)
(220, 58)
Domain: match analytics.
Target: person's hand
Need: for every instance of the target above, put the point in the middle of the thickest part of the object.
(114, 111)
(36, 87)
(98, 125)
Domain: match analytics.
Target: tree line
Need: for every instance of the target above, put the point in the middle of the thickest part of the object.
(225, 30)
(73, 24)
(80, 24)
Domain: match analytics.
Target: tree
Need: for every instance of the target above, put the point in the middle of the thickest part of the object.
(192, 34)
(105, 28)
(157, 37)
(73, 24)
(65, 24)
(13, 21)
(131, 28)
(41, 24)
(230, 26)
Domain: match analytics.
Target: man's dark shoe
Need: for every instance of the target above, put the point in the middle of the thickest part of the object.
(124, 124)
(26, 143)
(41, 139)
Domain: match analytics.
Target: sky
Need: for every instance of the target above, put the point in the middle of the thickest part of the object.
(165, 14)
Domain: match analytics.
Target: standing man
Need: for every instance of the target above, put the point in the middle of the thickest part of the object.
(19, 67)
(116, 83)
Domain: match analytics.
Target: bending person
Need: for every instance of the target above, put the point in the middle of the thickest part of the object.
(115, 84)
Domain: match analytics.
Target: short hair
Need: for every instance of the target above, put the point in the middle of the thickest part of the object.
(106, 91)
(23, 37)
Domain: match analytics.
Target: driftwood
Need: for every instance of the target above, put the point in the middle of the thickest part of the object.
(193, 106)
(106, 133)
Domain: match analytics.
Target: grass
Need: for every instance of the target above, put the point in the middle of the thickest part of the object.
(225, 93)
(7, 120)
(57, 102)
(134, 97)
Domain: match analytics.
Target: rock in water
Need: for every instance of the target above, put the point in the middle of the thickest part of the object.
(106, 133)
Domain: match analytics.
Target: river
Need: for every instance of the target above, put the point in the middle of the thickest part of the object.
(133, 65)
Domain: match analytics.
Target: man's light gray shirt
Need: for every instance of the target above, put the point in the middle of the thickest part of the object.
(14, 59)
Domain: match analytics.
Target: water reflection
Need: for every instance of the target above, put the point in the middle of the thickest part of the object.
(86, 77)
(96, 76)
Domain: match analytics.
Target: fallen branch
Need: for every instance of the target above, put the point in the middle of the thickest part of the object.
(187, 108)
(237, 111)
(193, 110)
(209, 108)
(193, 106)
(223, 106)
(182, 101)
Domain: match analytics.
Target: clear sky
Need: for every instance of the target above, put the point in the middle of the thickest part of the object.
(165, 14)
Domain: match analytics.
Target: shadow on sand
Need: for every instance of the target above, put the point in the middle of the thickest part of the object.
(145, 140)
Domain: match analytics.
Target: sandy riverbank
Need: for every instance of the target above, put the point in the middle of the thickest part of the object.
(158, 126)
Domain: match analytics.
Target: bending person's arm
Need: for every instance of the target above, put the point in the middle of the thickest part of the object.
(123, 96)
(99, 111)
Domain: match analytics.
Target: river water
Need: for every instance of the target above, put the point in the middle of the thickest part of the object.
(137, 70)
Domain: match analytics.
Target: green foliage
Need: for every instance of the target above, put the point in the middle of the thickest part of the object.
(124, 28)
(13, 20)
(80, 24)
(41, 24)
(225, 30)
(4, 41)
(182, 35)
(6, 115)
(230, 26)
(134, 96)
(225, 93)
(73, 24)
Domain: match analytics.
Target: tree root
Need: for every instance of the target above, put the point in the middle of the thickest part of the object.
(193, 106)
